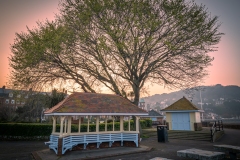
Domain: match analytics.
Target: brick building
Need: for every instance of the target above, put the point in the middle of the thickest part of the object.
(13, 98)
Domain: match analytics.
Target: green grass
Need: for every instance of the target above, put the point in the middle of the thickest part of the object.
(145, 136)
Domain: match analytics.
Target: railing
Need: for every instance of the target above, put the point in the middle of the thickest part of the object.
(70, 141)
(217, 126)
(73, 140)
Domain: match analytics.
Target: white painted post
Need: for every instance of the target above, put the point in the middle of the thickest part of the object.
(79, 124)
(65, 126)
(69, 125)
(54, 124)
(129, 123)
(105, 123)
(137, 123)
(121, 124)
(88, 125)
(113, 122)
(97, 124)
(61, 125)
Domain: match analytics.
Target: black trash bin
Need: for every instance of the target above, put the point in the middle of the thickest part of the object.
(162, 133)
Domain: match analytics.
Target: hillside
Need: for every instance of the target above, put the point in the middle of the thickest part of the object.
(224, 100)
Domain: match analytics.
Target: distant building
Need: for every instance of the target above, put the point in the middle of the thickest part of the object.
(155, 116)
(141, 103)
(148, 107)
(15, 98)
(12, 98)
(217, 103)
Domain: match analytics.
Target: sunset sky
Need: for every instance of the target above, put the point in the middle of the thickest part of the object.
(15, 15)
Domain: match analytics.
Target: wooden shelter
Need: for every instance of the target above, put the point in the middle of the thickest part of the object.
(82, 105)
(183, 115)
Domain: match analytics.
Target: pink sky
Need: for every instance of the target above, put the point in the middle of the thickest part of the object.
(15, 15)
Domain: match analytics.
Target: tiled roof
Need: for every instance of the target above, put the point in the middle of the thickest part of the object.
(6, 91)
(3, 95)
(180, 105)
(79, 102)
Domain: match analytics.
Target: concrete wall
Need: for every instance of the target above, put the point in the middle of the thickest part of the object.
(192, 120)
(197, 117)
(195, 121)
(198, 126)
(169, 120)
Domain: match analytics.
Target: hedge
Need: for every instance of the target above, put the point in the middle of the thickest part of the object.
(38, 131)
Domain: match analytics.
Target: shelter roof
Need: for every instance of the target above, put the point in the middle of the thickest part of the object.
(80, 103)
(181, 105)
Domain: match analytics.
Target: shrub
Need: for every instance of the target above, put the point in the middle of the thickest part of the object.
(33, 131)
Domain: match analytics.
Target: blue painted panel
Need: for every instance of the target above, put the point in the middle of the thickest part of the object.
(180, 121)
(154, 119)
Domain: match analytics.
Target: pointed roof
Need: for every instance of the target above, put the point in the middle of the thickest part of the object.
(154, 113)
(182, 104)
(80, 103)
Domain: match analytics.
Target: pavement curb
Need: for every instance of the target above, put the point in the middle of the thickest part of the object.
(118, 154)
(37, 157)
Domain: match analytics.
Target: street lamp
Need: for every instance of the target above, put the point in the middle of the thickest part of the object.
(201, 105)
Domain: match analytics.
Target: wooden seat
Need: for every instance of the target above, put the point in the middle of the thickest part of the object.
(53, 143)
(130, 137)
(70, 141)
(105, 138)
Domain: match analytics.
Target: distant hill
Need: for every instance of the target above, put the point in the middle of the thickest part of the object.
(208, 93)
(212, 96)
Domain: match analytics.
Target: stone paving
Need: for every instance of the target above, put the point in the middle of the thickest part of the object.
(200, 154)
(169, 149)
(22, 150)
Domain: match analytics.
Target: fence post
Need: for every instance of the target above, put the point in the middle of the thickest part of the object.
(222, 125)
(211, 136)
(218, 125)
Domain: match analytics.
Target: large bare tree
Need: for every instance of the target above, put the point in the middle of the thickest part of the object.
(118, 44)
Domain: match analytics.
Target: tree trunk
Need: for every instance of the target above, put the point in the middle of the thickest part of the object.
(136, 96)
(136, 101)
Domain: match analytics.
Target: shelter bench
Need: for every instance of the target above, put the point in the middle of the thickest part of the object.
(53, 143)
(70, 141)
(200, 154)
(232, 150)
(130, 137)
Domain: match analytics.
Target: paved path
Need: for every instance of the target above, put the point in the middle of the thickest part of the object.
(21, 150)
(169, 150)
